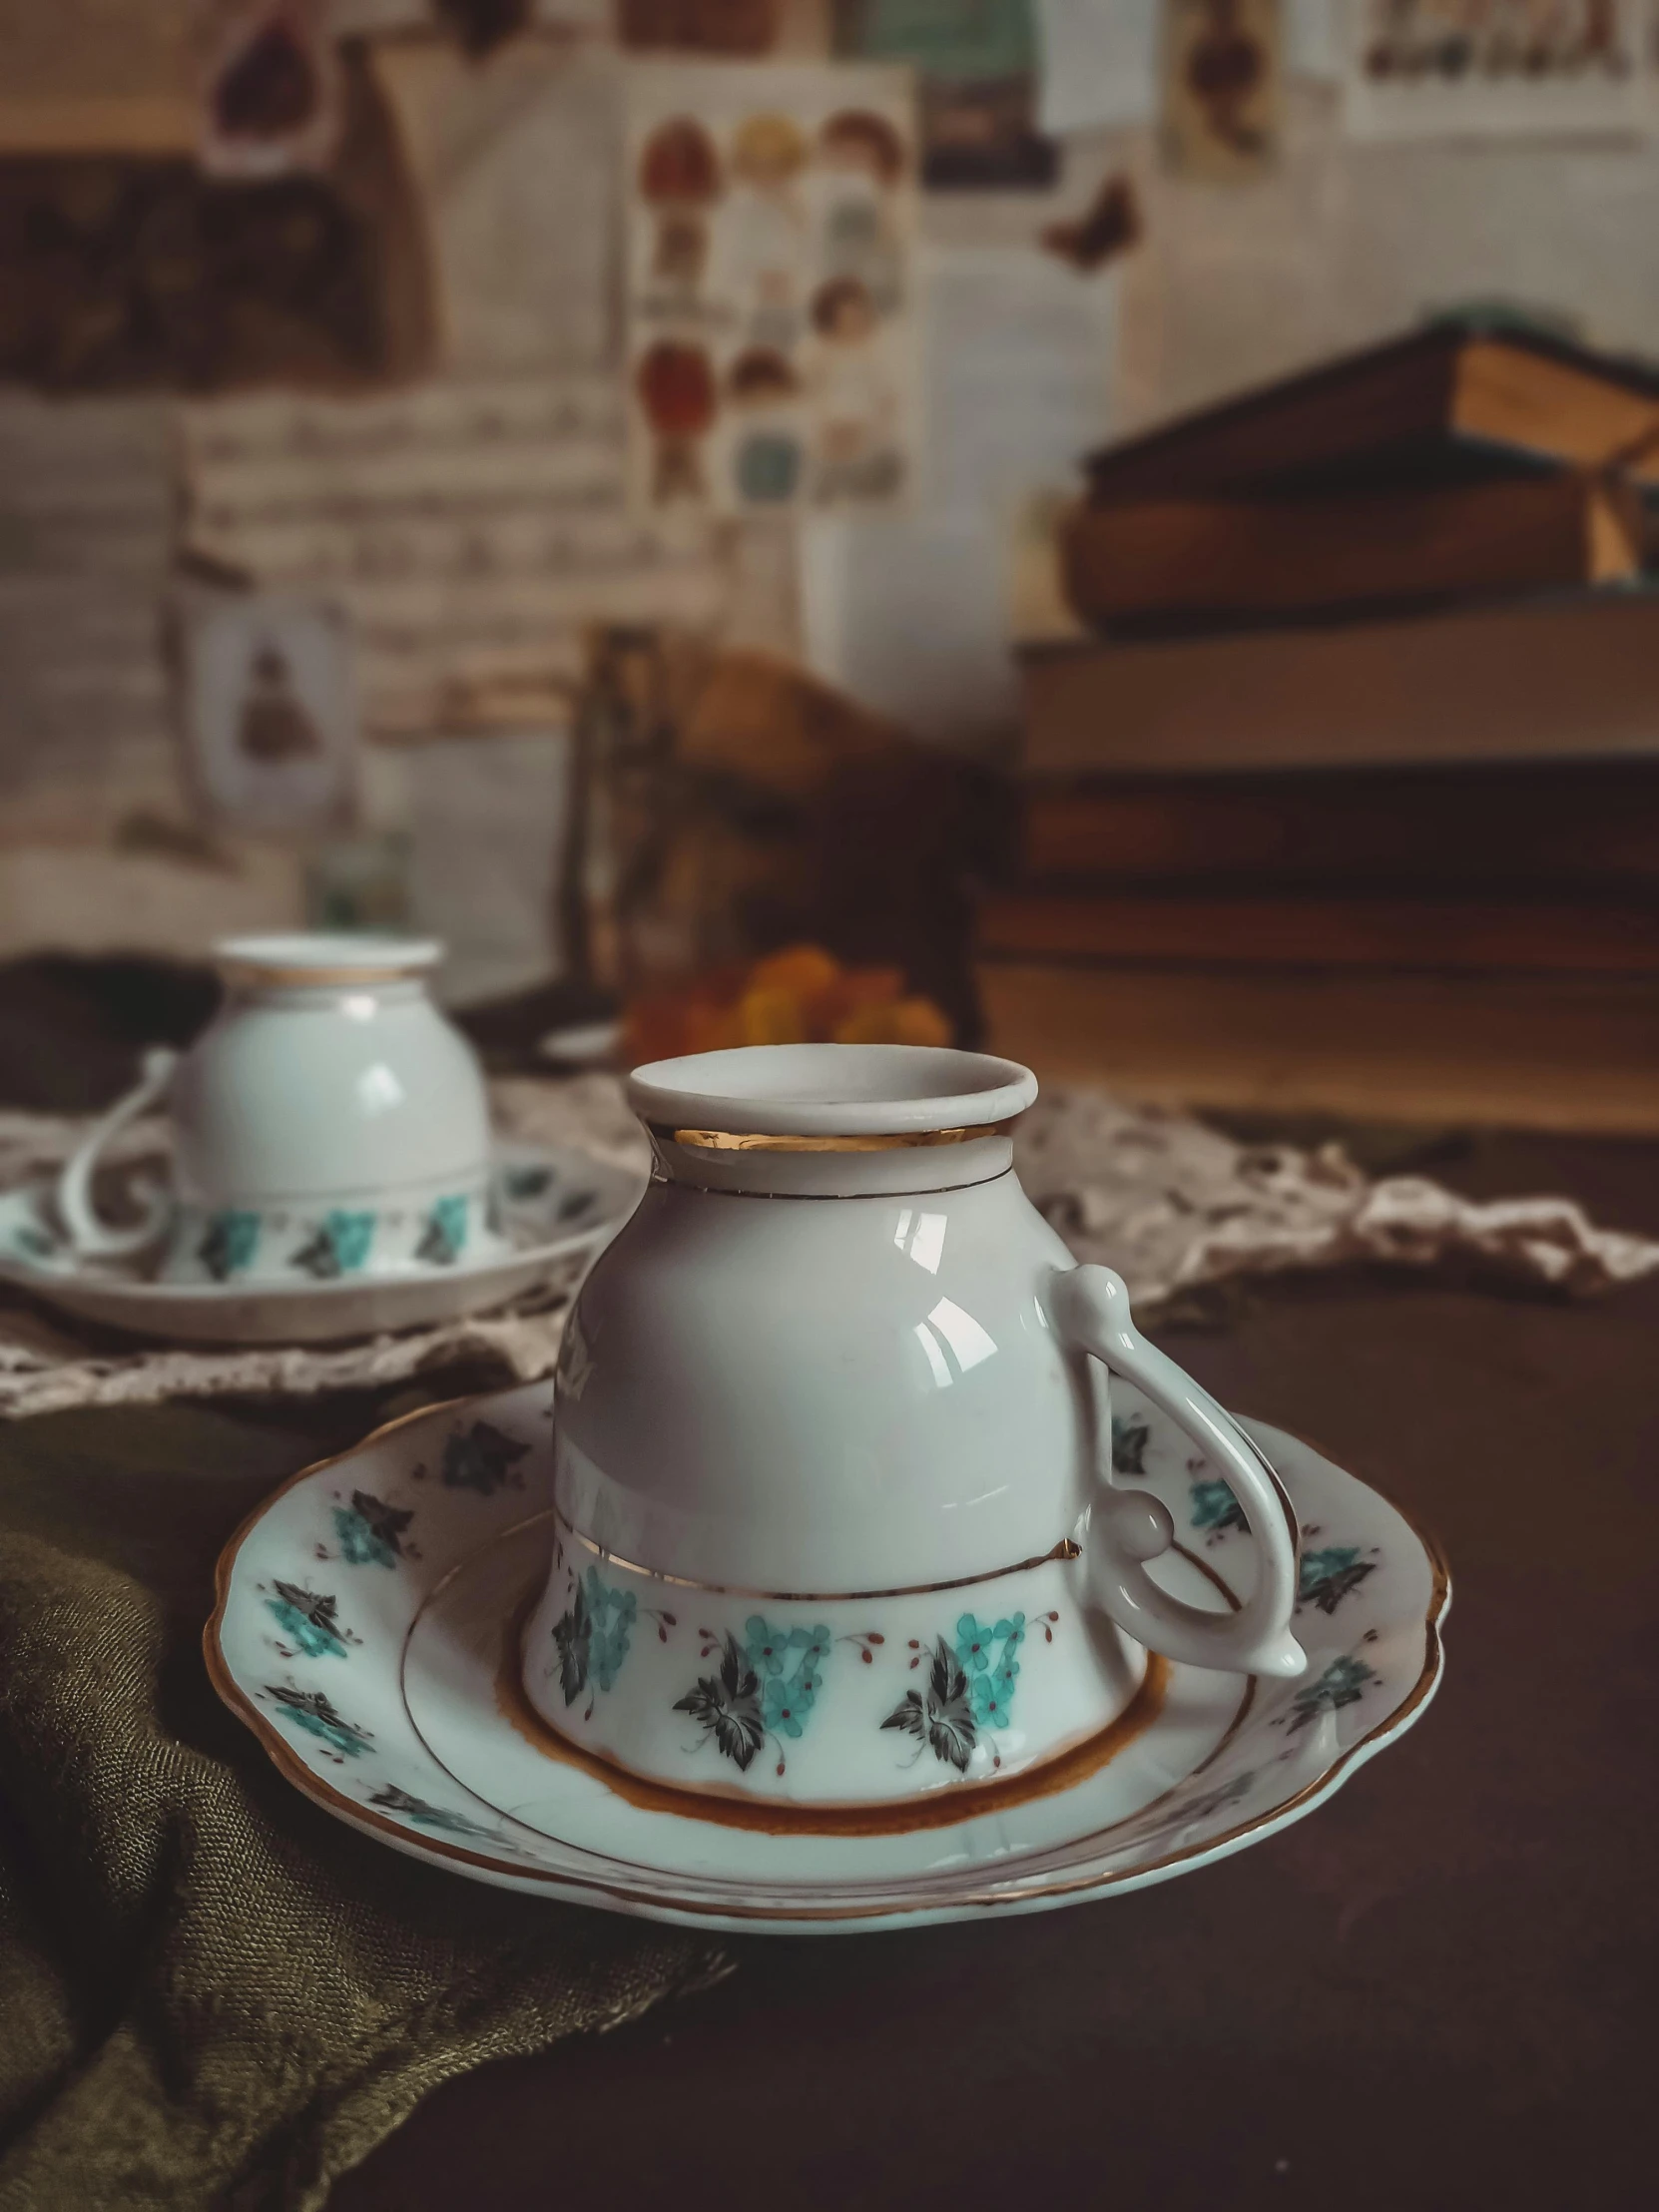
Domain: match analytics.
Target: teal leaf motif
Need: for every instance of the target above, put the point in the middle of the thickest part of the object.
(310, 1620)
(227, 1247)
(1214, 1508)
(990, 1672)
(1328, 1576)
(444, 1237)
(311, 1711)
(788, 1664)
(483, 1458)
(941, 1717)
(337, 1246)
(1342, 1683)
(573, 1640)
(726, 1707)
(614, 1614)
(592, 1635)
(1130, 1437)
(370, 1533)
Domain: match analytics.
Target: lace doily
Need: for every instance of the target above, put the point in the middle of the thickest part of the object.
(1172, 1205)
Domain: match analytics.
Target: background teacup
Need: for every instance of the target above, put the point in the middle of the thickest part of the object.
(328, 1122)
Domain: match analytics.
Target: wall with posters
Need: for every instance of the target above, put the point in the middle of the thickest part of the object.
(329, 322)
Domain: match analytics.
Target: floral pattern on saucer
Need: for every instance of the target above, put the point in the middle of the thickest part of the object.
(324, 1595)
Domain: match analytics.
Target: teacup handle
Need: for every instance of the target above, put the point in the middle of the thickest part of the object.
(1091, 1310)
(90, 1236)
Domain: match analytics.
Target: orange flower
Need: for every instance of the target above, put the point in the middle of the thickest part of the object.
(853, 988)
(805, 969)
(902, 1021)
(799, 995)
(771, 1015)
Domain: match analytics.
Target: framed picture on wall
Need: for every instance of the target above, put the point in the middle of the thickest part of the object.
(268, 713)
(1222, 69)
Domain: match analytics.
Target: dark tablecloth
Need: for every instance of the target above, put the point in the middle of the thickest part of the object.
(1434, 1991)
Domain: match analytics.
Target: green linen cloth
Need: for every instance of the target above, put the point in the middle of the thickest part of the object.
(210, 1992)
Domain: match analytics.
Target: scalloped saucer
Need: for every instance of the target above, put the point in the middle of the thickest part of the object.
(366, 1629)
(558, 1207)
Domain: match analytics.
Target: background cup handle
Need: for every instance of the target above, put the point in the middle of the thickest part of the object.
(92, 1238)
(1089, 1308)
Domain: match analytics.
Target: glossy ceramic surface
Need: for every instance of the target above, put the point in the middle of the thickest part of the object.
(787, 1398)
(329, 1120)
(369, 1625)
(555, 1208)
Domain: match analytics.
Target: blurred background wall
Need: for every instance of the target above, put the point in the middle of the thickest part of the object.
(329, 411)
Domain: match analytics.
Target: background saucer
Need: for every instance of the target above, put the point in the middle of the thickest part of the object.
(557, 1205)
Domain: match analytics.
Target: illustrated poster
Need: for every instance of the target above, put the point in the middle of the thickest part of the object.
(1222, 88)
(771, 310)
(1494, 68)
(977, 85)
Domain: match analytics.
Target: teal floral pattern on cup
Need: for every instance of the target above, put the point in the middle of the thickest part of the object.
(370, 1533)
(764, 1688)
(592, 1635)
(726, 1707)
(769, 1682)
(789, 1667)
(444, 1239)
(987, 1657)
(969, 1689)
(940, 1715)
(230, 1243)
(311, 1622)
(338, 1245)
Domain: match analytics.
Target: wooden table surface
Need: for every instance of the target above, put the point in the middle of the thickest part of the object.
(1432, 1992)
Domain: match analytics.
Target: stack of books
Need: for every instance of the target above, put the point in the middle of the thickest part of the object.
(1369, 690)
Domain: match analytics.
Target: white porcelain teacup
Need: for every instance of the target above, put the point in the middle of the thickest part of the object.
(833, 1515)
(328, 1122)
